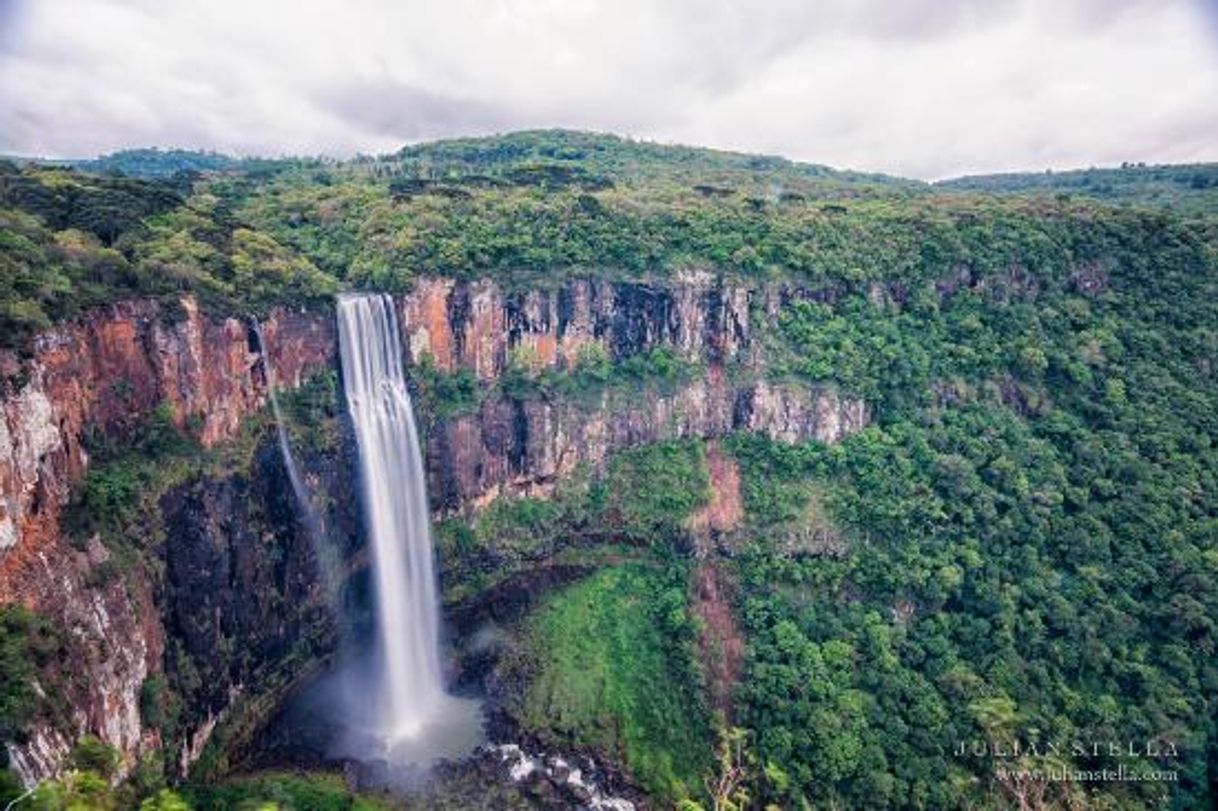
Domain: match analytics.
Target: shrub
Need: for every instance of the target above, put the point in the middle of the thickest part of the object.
(92, 754)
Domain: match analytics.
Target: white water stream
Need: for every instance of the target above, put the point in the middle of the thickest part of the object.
(414, 716)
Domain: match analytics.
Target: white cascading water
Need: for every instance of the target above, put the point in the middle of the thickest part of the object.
(395, 503)
(308, 513)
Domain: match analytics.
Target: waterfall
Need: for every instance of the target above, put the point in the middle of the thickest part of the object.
(396, 509)
(384, 703)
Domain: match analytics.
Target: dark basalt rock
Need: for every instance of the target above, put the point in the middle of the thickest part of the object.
(244, 601)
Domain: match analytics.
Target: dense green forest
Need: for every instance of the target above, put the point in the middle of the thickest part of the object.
(69, 241)
(1184, 188)
(1026, 537)
(1031, 530)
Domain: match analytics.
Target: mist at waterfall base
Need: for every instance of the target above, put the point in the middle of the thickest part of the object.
(385, 700)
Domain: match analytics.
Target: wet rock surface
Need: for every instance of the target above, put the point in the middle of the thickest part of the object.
(504, 777)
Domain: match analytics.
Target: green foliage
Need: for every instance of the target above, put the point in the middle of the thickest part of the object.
(159, 163)
(639, 504)
(165, 800)
(1031, 522)
(106, 207)
(594, 375)
(666, 210)
(74, 791)
(315, 791)
(527, 525)
(611, 667)
(785, 517)
(27, 644)
(728, 785)
(48, 276)
(10, 786)
(70, 241)
(645, 496)
(148, 776)
(871, 354)
(649, 492)
(311, 412)
(81, 789)
(1187, 188)
(125, 473)
(158, 706)
(520, 156)
(444, 394)
(92, 754)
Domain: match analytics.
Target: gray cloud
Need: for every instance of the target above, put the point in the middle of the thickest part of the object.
(921, 87)
(403, 111)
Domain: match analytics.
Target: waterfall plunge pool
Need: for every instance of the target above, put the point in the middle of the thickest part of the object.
(336, 719)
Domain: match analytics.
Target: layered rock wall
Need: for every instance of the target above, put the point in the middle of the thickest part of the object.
(105, 374)
(479, 326)
(523, 446)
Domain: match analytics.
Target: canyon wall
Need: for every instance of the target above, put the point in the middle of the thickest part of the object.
(229, 601)
(103, 375)
(523, 446)
(480, 326)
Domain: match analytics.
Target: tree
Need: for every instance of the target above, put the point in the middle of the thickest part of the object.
(165, 800)
(728, 785)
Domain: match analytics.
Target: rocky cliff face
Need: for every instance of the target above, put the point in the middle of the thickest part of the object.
(232, 602)
(479, 326)
(106, 373)
(244, 610)
(523, 446)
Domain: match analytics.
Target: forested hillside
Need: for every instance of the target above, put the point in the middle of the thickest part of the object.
(1020, 550)
(1186, 188)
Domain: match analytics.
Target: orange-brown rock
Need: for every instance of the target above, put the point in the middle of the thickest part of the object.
(424, 317)
(477, 325)
(725, 508)
(107, 372)
(524, 447)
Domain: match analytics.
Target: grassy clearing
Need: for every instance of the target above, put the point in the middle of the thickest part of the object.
(611, 668)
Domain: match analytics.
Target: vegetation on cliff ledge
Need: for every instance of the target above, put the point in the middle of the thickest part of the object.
(70, 241)
(609, 665)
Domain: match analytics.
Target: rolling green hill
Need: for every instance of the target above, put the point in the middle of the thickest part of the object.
(1184, 188)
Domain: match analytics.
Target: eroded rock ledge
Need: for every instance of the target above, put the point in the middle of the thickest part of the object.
(523, 446)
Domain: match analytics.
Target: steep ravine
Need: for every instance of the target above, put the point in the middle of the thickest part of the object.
(228, 603)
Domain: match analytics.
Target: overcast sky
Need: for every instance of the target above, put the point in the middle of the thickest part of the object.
(921, 88)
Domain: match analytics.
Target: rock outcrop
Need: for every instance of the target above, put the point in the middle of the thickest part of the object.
(106, 373)
(243, 606)
(524, 446)
(479, 326)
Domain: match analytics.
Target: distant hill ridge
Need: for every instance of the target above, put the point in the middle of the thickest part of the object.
(593, 158)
